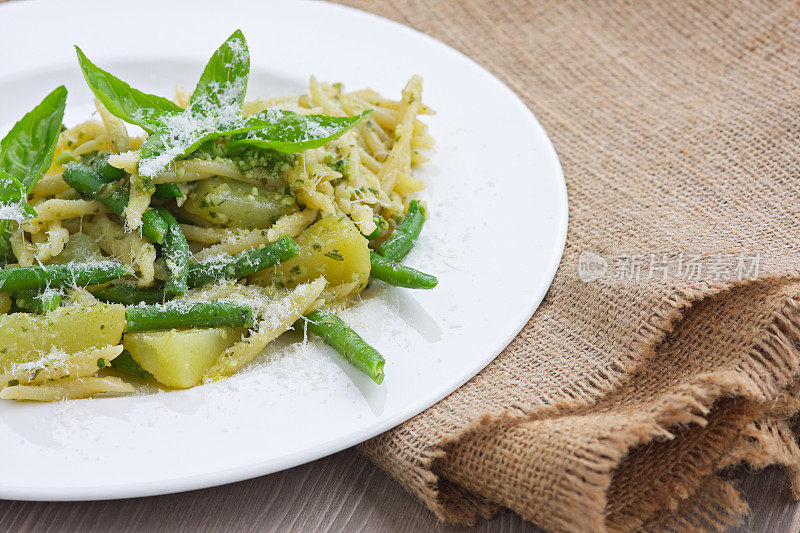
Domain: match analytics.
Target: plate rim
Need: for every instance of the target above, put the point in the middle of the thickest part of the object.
(331, 446)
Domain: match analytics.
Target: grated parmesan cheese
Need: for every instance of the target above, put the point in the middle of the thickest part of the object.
(12, 212)
(216, 110)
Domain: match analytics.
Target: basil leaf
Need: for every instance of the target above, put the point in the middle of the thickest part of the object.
(162, 147)
(122, 100)
(289, 132)
(214, 109)
(224, 80)
(183, 134)
(279, 130)
(25, 154)
(27, 151)
(14, 200)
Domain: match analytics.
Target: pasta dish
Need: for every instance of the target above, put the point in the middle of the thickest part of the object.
(169, 241)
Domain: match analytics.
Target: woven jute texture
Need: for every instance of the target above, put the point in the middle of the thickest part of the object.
(678, 126)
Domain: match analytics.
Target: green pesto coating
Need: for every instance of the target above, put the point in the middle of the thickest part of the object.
(57, 276)
(242, 264)
(355, 350)
(188, 315)
(399, 275)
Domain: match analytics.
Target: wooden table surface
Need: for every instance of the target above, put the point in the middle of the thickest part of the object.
(343, 492)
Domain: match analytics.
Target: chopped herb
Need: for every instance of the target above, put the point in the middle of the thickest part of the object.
(13, 383)
(335, 255)
(101, 363)
(341, 165)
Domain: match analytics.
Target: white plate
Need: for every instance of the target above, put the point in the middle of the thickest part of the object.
(498, 222)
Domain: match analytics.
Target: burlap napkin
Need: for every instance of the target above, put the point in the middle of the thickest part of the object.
(667, 346)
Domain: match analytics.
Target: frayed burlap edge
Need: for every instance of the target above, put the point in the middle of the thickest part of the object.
(773, 366)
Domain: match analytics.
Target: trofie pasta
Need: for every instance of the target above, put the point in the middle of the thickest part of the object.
(176, 255)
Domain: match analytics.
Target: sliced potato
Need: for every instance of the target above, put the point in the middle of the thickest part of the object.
(237, 204)
(23, 337)
(66, 390)
(332, 248)
(178, 357)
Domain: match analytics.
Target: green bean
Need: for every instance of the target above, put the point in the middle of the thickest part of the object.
(176, 254)
(335, 331)
(89, 183)
(55, 276)
(242, 264)
(153, 226)
(380, 225)
(399, 275)
(188, 315)
(125, 363)
(167, 191)
(384, 260)
(98, 161)
(400, 242)
(39, 302)
(130, 294)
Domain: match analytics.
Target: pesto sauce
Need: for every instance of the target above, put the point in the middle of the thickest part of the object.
(246, 159)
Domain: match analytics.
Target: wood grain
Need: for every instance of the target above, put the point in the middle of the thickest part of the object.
(770, 499)
(343, 492)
